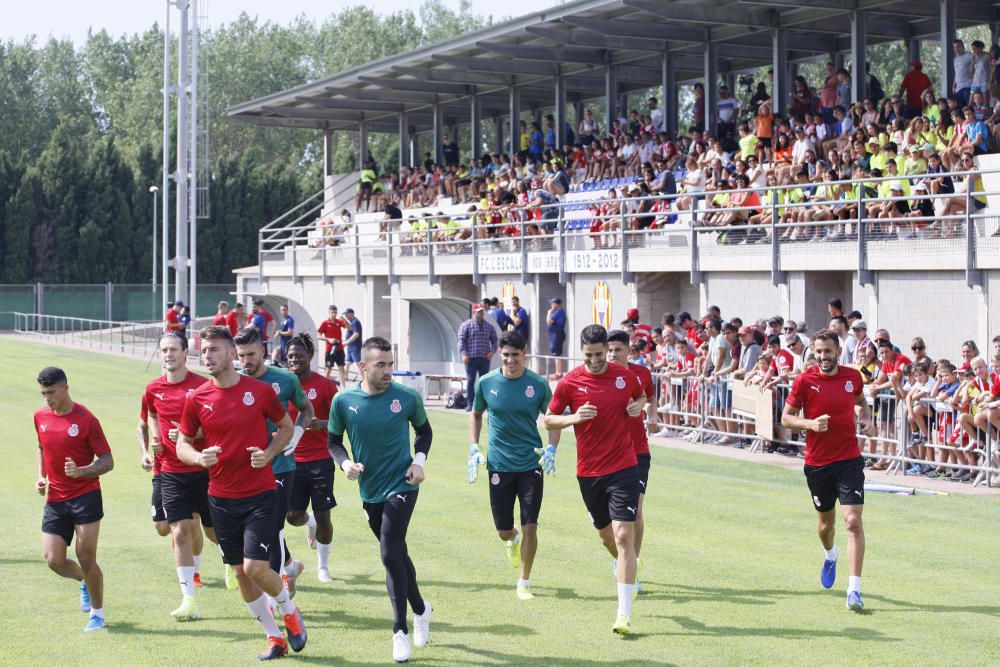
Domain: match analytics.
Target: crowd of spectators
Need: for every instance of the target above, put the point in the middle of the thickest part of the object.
(818, 136)
(945, 406)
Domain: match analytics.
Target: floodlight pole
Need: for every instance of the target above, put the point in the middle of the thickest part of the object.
(166, 175)
(155, 190)
(183, 168)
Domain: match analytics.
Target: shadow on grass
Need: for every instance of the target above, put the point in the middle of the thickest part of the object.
(197, 629)
(480, 655)
(985, 610)
(691, 627)
(681, 594)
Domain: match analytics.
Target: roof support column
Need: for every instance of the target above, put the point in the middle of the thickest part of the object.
(859, 56)
(404, 139)
(912, 49)
(610, 97)
(328, 152)
(498, 133)
(711, 86)
(560, 112)
(669, 98)
(475, 127)
(514, 144)
(438, 132)
(779, 63)
(949, 10)
(363, 142)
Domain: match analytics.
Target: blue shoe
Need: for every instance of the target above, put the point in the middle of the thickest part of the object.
(84, 598)
(94, 623)
(829, 573)
(854, 602)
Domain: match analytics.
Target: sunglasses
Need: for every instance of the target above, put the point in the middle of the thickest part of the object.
(917, 349)
(788, 328)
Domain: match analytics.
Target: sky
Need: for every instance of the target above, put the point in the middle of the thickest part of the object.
(71, 18)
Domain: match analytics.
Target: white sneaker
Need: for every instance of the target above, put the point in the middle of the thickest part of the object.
(323, 575)
(311, 536)
(400, 647)
(422, 626)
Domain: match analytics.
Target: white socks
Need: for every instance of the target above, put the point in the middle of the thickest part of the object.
(262, 611)
(625, 599)
(185, 575)
(284, 603)
(94, 611)
(281, 545)
(523, 582)
(854, 584)
(311, 522)
(517, 538)
(323, 553)
(831, 554)
(197, 563)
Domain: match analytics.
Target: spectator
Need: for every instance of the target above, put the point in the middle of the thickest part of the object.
(828, 93)
(366, 184)
(963, 72)
(556, 321)
(520, 319)
(589, 130)
(727, 111)
(979, 68)
(286, 329)
(449, 151)
(915, 82)
(352, 344)
(699, 107)
(330, 331)
(477, 343)
(655, 114)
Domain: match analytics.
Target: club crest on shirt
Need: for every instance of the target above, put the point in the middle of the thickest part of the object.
(74, 430)
(312, 394)
(529, 391)
(248, 398)
(495, 479)
(276, 387)
(620, 382)
(396, 406)
(849, 387)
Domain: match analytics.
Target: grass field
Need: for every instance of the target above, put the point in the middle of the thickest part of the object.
(731, 566)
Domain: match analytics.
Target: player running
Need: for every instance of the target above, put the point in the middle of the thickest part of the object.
(313, 463)
(376, 414)
(232, 413)
(183, 487)
(150, 461)
(618, 347)
(514, 396)
(832, 401)
(602, 397)
(72, 454)
(331, 332)
(251, 352)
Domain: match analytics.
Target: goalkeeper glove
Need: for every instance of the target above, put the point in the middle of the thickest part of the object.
(547, 459)
(476, 459)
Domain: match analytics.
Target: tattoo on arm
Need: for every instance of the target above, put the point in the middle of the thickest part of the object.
(104, 463)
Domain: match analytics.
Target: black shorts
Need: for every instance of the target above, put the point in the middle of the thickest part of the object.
(335, 357)
(398, 508)
(285, 486)
(644, 462)
(613, 497)
(245, 527)
(185, 493)
(60, 517)
(525, 487)
(156, 504)
(313, 485)
(556, 346)
(842, 479)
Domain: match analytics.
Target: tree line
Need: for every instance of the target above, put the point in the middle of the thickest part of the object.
(80, 138)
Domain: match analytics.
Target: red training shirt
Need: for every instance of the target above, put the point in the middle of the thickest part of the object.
(76, 435)
(897, 364)
(173, 321)
(234, 419)
(603, 444)
(219, 320)
(329, 329)
(782, 362)
(165, 401)
(144, 417)
(640, 441)
(320, 392)
(233, 322)
(818, 394)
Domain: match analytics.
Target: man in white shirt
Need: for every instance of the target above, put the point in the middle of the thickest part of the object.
(980, 68)
(655, 114)
(727, 109)
(963, 73)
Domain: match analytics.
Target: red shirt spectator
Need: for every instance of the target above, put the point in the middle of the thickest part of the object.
(915, 82)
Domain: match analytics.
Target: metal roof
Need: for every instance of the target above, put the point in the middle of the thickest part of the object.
(577, 40)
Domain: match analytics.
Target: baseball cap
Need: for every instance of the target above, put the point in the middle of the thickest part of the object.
(920, 187)
(746, 330)
(349, 310)
(555, 299)
(873, 140)
(896, 187)
(632, 313)
(179, 303)
(777, 319)
(859, 324)
(477, 307)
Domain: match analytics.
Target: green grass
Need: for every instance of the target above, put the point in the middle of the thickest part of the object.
(731, 565)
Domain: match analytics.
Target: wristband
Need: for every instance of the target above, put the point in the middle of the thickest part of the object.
(344, 464)
(419, 458)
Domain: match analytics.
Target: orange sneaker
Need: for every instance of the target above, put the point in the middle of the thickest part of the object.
(296, 630)
(197, 580)
(277, 647)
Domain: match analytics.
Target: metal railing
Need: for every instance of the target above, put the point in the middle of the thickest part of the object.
(139, 338)
(690, 231)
